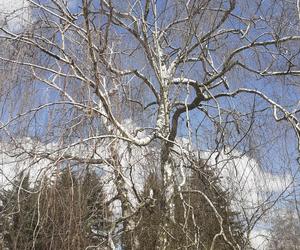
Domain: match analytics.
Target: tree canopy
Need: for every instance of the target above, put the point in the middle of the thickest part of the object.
(202, 95)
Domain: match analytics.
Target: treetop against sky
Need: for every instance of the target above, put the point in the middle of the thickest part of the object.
(144, 76)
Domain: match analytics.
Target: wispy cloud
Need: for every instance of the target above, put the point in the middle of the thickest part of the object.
(14, 14)
(244, 176)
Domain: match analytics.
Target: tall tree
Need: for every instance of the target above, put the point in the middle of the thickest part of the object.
(114, 85)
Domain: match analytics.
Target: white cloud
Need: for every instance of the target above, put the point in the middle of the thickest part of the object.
(259, 238)
(249, 182)
(253, 190)
(15, 160)
(15, 14)
(250, 185)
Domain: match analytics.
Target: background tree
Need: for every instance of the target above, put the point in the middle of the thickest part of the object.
(196, 221)
(70, 213)
(109, 84)
(285, 230)
(18, 214)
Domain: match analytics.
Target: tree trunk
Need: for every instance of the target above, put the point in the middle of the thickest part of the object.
(168, 204)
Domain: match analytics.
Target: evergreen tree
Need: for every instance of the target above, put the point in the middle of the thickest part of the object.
(285, 230)
(19, 214)
(195, 223)
(68, 214)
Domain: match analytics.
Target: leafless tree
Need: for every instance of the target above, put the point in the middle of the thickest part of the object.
(119, 84)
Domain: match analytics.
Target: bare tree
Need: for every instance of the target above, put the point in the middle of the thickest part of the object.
(119, 84)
